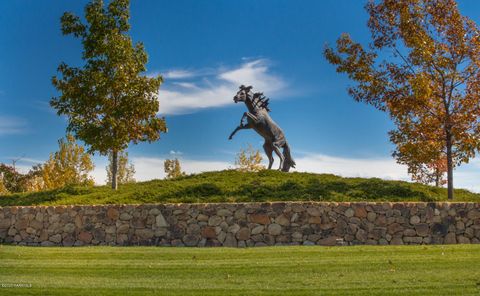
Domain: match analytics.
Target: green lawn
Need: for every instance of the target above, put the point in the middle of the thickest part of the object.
(360, 270)
(234, 186)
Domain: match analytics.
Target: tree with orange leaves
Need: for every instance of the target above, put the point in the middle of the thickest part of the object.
(422, 67)
(421, 165)
(433, 172)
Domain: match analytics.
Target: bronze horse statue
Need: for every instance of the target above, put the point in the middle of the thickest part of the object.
(258, 119)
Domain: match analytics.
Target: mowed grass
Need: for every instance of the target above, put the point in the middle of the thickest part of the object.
(359, 270)
(235, 186)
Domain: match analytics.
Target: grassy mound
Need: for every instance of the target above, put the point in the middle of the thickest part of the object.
(234, 186)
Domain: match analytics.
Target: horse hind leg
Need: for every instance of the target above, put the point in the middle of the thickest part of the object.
(267, 147)
(277, 151)
(288, 162)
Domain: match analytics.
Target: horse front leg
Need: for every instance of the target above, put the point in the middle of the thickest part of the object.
(240, 127)
(241, 119)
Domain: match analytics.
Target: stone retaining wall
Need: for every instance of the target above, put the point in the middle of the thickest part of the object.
(242, 224)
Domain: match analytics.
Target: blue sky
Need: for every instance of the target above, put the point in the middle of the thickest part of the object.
(205, 50)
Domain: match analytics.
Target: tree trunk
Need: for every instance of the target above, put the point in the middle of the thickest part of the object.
(449, 166)
(114, 169)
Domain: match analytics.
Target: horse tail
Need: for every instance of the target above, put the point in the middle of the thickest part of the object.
(288, 162)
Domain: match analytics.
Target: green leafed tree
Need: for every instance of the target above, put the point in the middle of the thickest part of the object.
(109, 102)
(125, 169)
(70, 165)
(173, 169)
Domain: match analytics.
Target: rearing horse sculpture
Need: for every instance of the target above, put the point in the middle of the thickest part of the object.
(259, 120)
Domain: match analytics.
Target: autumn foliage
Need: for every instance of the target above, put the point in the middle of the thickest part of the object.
(14, 181)
(422, 67)
(173, 168)
(249, 160)
(70, 165)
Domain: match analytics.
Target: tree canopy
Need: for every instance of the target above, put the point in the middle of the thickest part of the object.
(109, 101)
(422, 67)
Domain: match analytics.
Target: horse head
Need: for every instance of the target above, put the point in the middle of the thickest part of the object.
(243, 94)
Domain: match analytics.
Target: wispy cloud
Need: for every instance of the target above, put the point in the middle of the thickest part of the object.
(178, 74)
(215, 88)
(186, 85)
(12, 125)
(254, 73)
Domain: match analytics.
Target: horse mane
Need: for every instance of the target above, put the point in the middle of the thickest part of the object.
(261, 101)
